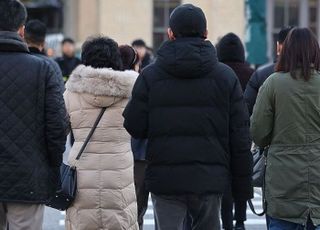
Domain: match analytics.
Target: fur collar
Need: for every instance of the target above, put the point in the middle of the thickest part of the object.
(102, 82)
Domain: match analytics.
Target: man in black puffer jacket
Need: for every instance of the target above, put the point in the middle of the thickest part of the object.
(32, 125)
(191, 109)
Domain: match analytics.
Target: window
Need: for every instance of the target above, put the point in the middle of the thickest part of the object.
(284, 13)
(313, 16)
(161, 14)
(47, 11)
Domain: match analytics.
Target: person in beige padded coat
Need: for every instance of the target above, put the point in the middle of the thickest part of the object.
(106, 194)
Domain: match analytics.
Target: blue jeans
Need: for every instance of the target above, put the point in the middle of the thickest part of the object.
(277, 224)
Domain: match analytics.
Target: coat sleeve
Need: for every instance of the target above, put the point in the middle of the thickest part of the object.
(55, 117)
(262, 119)
(240, 144)
(251, 92)
(136, 113)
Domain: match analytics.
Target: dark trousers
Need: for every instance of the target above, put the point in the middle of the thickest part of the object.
(141, 191)
(171, 211)
(240, 210)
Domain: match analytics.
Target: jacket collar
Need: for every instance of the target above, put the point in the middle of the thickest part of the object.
(34, 50)
(12, 42)
(102, 81)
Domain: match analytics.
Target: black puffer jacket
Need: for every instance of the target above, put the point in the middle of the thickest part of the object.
(192, 110)
(32, 124)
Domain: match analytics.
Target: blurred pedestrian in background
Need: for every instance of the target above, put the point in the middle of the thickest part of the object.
(286, 116)
(145, 57)
(35, 36)
(68, 62)
(106, 193)
(130, 58)
(231, 52)
(130, 61)
(191, 109)
(262, 73)
(33, 125)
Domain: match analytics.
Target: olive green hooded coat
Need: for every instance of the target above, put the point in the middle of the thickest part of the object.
(287, 117)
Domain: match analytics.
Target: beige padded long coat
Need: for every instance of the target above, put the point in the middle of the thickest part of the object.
(106, 195)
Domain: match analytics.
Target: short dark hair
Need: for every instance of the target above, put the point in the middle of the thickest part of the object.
(67, 40)
(35, 32)
(282, 35)
(129, 57)
(300, 54)
(101, 52)
(13, 15)
(139, 43)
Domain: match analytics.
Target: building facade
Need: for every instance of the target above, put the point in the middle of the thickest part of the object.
(126, 20)
(283, 13)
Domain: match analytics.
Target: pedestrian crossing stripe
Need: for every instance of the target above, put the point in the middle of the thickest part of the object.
(248, 222)
(149, 220)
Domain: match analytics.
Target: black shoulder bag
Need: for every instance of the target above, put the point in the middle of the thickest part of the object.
(258, 177)
(64, 197)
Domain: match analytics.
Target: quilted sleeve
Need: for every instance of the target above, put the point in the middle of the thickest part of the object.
(56, 118)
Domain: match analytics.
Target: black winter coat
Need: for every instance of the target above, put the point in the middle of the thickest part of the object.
(191, 109)
(256, 81)
(67, 65)
(36, 52)
(33, 124)
(243, 72)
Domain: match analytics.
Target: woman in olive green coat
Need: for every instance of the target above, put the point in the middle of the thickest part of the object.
(287, 117)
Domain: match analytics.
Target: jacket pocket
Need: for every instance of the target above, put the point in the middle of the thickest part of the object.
(287, 173)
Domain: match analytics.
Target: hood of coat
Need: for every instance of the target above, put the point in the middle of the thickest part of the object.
(187, 57)
(101, 86)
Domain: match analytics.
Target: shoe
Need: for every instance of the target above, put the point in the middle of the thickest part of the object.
(239, 227)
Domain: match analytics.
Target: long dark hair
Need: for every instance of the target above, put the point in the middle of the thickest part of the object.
(300, 54)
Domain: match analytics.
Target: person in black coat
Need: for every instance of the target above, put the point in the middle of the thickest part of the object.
(191, 109)
(68, 62)
(130, 61)
(35, 35)
(262, 73)
(231, 52)
(33, 125)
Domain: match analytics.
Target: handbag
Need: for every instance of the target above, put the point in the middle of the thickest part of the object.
(65, 196)
(258, 176)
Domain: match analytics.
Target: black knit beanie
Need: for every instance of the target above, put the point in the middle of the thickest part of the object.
(230, 49)
(188, 21)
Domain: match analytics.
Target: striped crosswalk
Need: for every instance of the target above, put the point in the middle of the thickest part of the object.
(253, 222)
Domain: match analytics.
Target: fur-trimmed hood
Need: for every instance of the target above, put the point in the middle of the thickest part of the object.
(102, 82)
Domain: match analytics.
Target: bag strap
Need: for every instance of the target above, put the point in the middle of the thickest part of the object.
(91, 133)
(264, 204)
